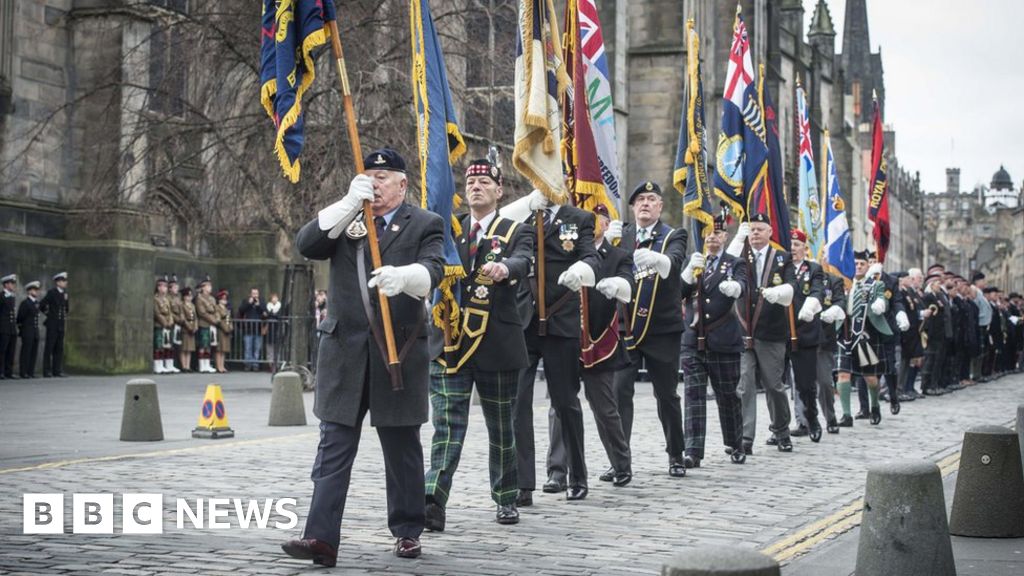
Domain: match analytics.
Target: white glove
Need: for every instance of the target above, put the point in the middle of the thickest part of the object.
(521, 209)
(874, 270)
(737, 244)
(578, 275)
(614, 230)
(615, 288)
(902, 322)
(730, 288)
(413, 279)
(879, 306)
(1015, 320)
(811, 307)
(781, 294)
(833, 315)
(339, 215)
(645, 257)
(697, 260)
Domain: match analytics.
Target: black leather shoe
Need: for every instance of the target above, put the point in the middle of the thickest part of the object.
(738, 457)
(507, 514)
(691, 461)
(748, 447)
(576, 493)
(862, 416)
(676, 468)
(553, 486)
(876, 415)
(622, 478)
(772, 441)
(525, 498)
(608, 476)
(785, 444)
(815, 434)
(846, 421)
(408, 548)
(832, 427)
(799, 431)
(319, 552)
(433, 517)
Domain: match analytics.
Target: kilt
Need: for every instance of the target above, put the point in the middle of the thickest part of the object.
(847, 360)
(161, 338)
(203, 338)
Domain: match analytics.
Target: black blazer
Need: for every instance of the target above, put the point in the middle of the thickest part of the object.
(939, 326)
(28, 319)
(347, 348)
(834, 295)
(502, 346)
(910, 341)
(895, 298)
(8, 315)
(722, 328)
(55, 306)
(666, 315)
(771, 323)
(810, 281)
(568, 238)
(615, 262)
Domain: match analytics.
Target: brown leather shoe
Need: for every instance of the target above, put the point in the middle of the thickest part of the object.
(408, 548)
(319, 552)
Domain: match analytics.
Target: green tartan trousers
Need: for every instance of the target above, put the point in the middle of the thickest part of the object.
(450, 403)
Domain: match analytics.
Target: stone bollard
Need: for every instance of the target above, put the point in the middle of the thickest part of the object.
(140, 421)
(1020, 433)
(989, 497)
(903, 529)
(720, 561)
(286, 405)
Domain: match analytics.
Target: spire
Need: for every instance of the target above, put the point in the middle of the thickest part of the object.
(856, 40)
(821, 21)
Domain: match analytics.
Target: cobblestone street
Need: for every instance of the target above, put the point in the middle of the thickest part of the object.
(60, 436)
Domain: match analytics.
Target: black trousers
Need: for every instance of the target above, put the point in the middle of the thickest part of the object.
(53, 352)
(29, 353)
(663, 370)
(805, 380)
(332, 470)
(8, 344)
(562, 371)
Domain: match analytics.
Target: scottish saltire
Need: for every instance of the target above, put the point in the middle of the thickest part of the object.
(807, 182)
(878, 199)
(440, 144)
(837, 255)
(540, 79)
(762, 167)
(690, 175)
(599, 99)
(291, 31)
(740, 91)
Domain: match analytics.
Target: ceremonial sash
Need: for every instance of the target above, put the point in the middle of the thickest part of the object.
(602, 347)
(647, 281)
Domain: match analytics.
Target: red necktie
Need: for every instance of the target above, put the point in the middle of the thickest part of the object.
(473, 242)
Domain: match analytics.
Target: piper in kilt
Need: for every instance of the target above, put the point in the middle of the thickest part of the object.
(487, 350)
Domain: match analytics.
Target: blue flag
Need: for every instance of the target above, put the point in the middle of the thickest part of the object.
(291, 31)
(440, 144)
(838, 251)
(762, 170)
(732, 156)
(690, 176)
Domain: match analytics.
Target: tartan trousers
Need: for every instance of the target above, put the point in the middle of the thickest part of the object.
(449, 399)
(723, 371)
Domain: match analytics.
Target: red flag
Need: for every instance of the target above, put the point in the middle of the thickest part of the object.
(878, 202)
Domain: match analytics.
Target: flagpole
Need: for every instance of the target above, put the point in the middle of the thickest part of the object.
(542, 312)
(824, 194)
(394, 369)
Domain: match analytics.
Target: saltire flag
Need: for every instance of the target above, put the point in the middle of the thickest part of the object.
(878, 200)
(838, 250)
(740, 90)
(291, 31)
(810, 208)
(582, 165)
(440, 145)
(690, 176)
(540, 79)
(599, 99)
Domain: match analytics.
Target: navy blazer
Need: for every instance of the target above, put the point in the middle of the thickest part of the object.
(723, 332)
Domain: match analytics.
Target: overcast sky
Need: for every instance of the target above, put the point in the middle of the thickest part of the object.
(954, 79)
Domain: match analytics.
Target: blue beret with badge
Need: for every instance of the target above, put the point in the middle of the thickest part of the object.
(643, 187)
(384, 159)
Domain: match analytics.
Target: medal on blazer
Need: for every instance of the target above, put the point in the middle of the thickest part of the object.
(807, 283)
(828, 296)
(495, 250)
(356, 229)
(481, 292)
(776, 279)
(568, 234)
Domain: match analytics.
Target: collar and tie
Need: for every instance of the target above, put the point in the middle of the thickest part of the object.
(381, 225)
(473, 244)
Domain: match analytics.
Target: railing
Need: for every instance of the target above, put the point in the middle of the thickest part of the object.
(268, 345)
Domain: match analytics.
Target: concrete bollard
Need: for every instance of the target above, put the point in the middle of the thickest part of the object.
(720, 561)
(989, 497)
(903, 529)
(286, 404)
(1020, 433)
(140, 420)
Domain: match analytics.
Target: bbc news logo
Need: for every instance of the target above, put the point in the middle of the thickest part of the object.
(144, 513)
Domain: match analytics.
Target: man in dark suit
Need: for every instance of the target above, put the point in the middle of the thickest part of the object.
(552, 320)
(712, 344)
(352, 368)
(765, 314)
(8, 325)
(832, 317)
(487, 350)
(56, 307)
(936, 330)
(911, 352)
(806, 305)
(601, 355)
(655, 323)
(28, 328)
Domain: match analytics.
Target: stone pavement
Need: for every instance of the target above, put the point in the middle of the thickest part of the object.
(61, 436)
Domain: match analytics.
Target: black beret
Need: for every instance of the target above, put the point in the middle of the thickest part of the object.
(761, 217)
(384, 159)
(601, 210)
(645, 186)
(901, 274)
(978, 275)
(484, 167)
(861, 254)
(990, 290)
